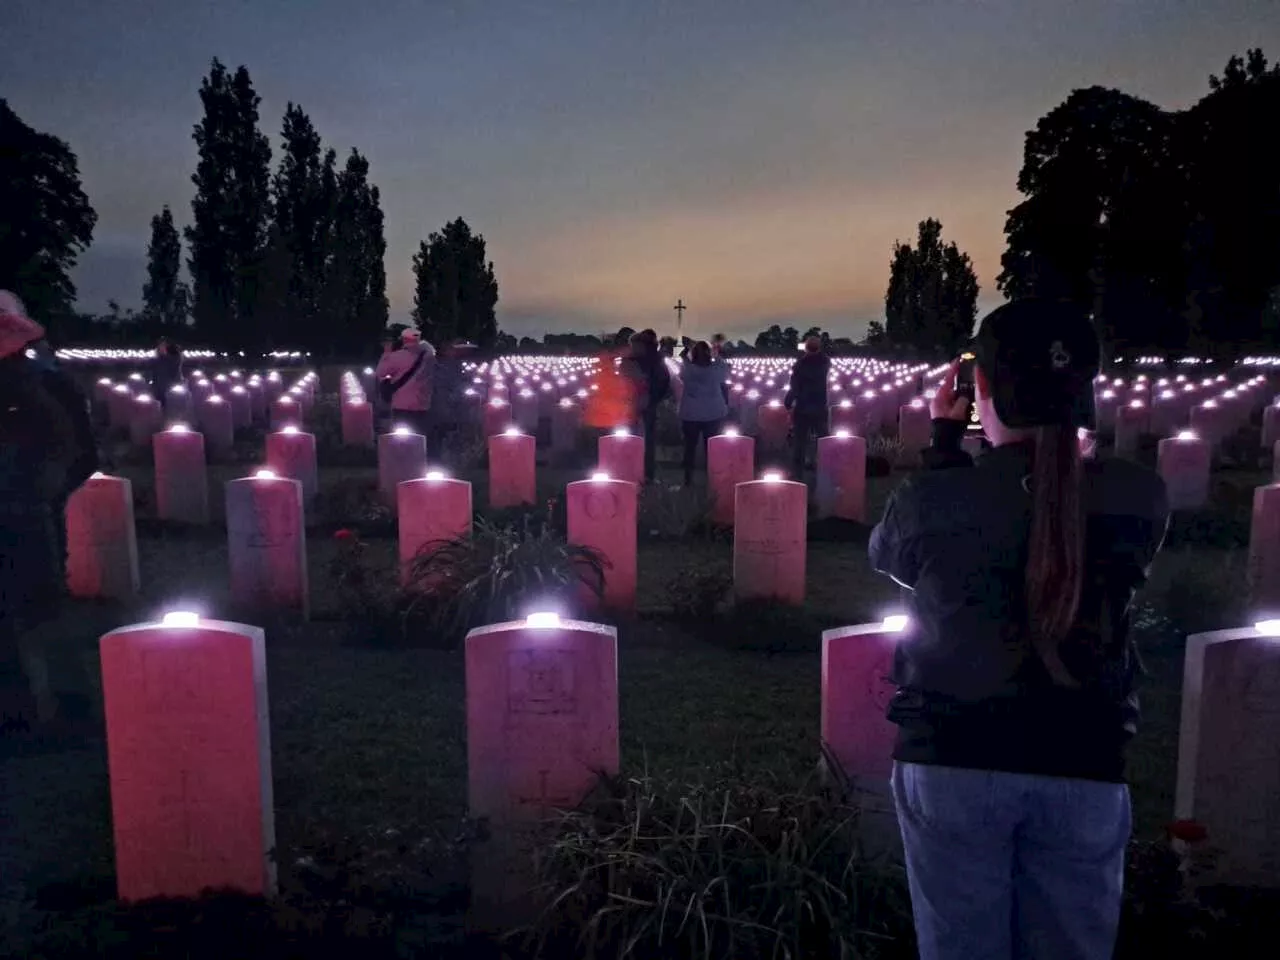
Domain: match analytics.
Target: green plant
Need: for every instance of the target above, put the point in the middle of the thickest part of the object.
(733, 867)
(495, 574)
(697, 590)
(886, 448)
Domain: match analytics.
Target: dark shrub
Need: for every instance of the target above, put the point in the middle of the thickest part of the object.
(729, 868)
(495, 574)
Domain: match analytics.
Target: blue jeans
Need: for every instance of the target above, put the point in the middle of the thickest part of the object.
(1010, 865)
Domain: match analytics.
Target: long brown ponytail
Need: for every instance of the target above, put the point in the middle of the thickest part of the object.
(1055, 549)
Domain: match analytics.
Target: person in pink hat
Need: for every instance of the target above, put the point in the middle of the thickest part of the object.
(37, 447)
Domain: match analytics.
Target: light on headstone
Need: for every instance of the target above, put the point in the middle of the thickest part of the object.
(290, 429)
(179, 428)
(731, 431)
(181, 618)
(772, 477)
(621, 432)
(543, 621)
(401, 431)
(512, 431)
(896, 622)
(1186, 435)
(436, 475)
(599, 476)
(1268, 628)
(843, 434)
(264, 474)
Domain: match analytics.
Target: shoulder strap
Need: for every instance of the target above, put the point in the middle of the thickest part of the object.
(408, 374)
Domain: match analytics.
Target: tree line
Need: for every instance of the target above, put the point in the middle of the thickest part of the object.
(293, 257)
(1165, 225)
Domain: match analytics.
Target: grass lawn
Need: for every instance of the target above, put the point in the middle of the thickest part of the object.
(368, 742)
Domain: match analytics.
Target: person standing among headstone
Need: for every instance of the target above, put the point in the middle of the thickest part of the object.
(37, 448)
(1016, 675)
(75, 403)
(807, 400)
(404, 379)
(166, 369)
(702, 404)
(646, 368)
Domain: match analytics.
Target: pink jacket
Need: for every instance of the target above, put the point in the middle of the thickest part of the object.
(414, 396)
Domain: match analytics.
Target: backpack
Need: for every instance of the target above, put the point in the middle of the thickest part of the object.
(388, 388)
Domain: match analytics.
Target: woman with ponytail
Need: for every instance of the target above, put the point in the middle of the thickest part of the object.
(1016, 675)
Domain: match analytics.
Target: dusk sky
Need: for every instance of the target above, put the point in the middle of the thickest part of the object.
(756, 159)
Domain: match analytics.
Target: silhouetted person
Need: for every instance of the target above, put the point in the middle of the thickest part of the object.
(166, 370)
(38, 448)
(807, 400)
(404, 380)
(646, 368)
(702, 403)
(1016, 674)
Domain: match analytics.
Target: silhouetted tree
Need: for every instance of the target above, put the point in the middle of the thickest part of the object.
(231, 210)
(166, 300)
(298, 244)
(356, 289)
(932, 300)
(45, 218)
(1241, 71)
(1163, 224)
(1233, 177)
(771, 339)
(875, 335)
(456, 291)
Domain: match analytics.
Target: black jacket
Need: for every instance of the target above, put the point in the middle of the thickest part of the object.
(808, 390)
(971, 692)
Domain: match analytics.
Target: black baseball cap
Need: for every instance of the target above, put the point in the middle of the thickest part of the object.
(1040, 358)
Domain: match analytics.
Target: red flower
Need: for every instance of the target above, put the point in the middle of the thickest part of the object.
(344, 536)
(1188, 831)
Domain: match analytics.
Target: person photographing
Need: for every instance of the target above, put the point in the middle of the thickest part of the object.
(1017, 674)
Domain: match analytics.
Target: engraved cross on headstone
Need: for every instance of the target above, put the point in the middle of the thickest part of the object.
(679, 308)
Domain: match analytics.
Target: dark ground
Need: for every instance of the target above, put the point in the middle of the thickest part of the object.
(367, 743)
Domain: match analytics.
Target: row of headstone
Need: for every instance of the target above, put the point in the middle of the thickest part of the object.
(217, 407)
(188, 740)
